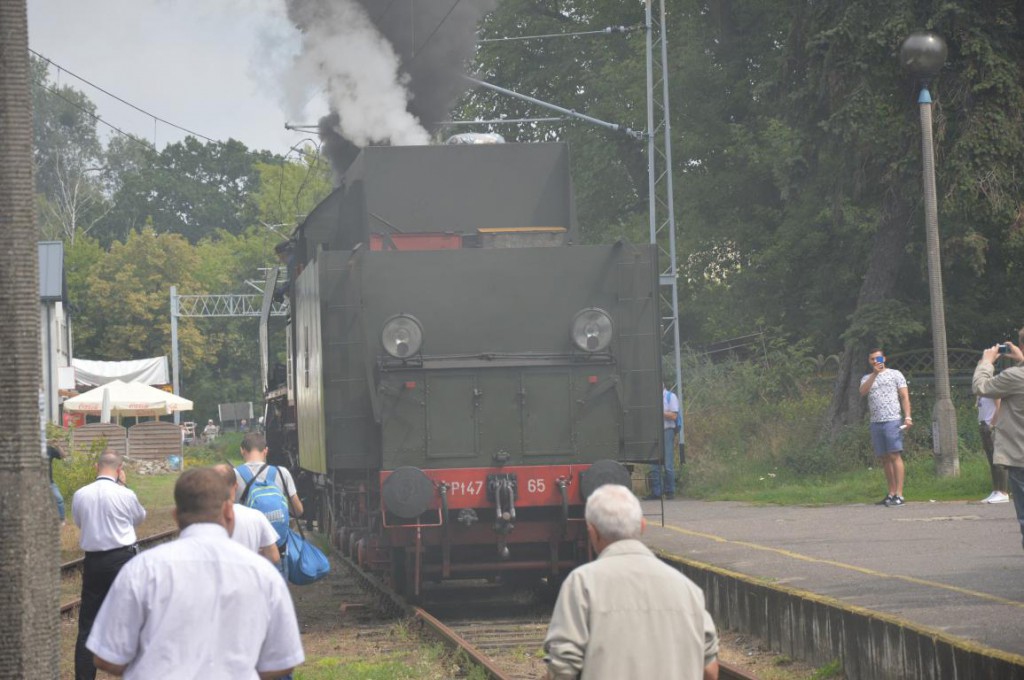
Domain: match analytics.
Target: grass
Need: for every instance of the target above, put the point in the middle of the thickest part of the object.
(769, 484)
(834, 669)
(332, 668)
(754, 434)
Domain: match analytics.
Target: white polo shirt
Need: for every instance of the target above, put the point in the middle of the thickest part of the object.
(107, 513)
(198, 607)
(253, 529)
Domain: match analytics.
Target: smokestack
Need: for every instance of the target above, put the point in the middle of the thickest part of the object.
(390, 68)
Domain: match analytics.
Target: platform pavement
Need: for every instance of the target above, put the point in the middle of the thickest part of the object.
(952, 567)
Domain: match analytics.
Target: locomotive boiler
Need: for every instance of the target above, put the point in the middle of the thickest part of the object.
(461, 373)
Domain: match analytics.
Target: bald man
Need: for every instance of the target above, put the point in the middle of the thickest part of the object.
(107, 512)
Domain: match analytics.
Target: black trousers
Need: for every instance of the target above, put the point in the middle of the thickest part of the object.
(98, 574)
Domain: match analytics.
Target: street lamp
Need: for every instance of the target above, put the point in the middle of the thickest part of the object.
(922, 56)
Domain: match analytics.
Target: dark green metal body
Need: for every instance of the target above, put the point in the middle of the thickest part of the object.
(498, 380)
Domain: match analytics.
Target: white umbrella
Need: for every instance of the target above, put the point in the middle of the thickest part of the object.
(127, 399)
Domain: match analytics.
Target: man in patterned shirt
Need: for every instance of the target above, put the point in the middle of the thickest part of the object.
(886, 390)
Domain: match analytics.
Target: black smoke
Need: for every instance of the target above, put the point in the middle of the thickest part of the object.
(434, 40)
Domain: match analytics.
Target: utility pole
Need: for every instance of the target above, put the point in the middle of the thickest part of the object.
(29, 624)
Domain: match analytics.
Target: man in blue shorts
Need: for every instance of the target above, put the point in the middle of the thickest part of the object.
(886, 390)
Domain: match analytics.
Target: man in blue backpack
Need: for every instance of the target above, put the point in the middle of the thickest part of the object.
(267, 488)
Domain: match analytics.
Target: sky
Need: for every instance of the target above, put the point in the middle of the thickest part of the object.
(213, 67)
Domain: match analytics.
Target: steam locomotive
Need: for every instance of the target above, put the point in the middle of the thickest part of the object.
(460, 373)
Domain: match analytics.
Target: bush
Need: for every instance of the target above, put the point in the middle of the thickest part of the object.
(77, 470)
(758, 424)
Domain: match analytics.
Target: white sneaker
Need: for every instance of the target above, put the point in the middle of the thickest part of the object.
(998, 497)
(988, 499)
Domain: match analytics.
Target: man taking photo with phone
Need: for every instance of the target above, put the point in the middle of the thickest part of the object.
(886, 390)
(1009, 438)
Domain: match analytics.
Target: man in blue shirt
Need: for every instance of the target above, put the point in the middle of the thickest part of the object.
(666, 474)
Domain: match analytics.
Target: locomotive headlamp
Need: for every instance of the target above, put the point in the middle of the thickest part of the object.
(402, 336)
(592, 330)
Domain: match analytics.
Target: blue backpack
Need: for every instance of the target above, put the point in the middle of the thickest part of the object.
(267, 497)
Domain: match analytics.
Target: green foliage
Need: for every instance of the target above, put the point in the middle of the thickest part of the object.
(833, 669)
(888, 323)
(68, 158)
(288, 191)
(753, 434)
(77, 469)
(191, 188)
(122, 296)
(796, 144)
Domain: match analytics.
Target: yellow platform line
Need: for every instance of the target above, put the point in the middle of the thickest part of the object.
(848, 567)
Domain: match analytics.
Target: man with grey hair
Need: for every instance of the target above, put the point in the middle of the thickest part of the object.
(627, 614)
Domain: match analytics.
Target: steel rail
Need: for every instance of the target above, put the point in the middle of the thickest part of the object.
(392, 603)
(72, 566)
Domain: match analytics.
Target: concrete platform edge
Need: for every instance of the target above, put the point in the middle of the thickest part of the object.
(818, 629)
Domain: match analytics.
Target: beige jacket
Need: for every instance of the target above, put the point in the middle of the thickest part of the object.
(629, 615)
(1009, 428)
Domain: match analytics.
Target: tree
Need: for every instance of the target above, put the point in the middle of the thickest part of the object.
(68, 158)
(189, 188)
(797, 160)
(29, 629)
(124, 308)
(288, 190)
(219, 357)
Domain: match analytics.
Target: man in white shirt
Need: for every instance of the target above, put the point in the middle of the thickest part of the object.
(887, 391)
(254, 454)
(252, 528)
(107, 513)
(201, 606)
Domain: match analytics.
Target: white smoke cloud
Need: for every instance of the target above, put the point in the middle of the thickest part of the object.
(364, 84)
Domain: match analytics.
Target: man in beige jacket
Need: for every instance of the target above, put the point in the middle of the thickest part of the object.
(1009, 429)
(627, 614)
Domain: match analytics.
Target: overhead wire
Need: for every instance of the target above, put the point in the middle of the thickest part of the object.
(94, 116)
(99, 119)
(122, 100)
(417, 50)
(61, 68)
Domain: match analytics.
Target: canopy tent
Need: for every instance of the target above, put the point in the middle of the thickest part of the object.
(149, 371)
(127, 399)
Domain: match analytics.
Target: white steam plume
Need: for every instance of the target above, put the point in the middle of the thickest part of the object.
(364, 81)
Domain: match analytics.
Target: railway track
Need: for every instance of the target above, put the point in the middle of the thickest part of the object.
(72, 567)
(499, 631)
(485, 625)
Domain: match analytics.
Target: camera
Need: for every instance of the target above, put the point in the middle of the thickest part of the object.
(1004, 348)
(879, 360)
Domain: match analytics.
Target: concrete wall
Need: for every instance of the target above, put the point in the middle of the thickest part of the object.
(819, 629)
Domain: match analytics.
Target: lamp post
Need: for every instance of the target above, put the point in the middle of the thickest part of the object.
(922, 56)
